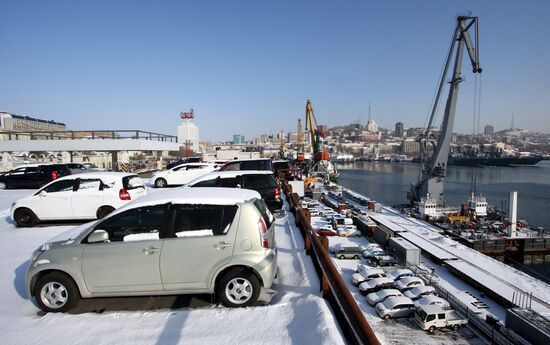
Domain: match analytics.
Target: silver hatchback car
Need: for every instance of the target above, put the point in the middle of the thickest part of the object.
(195, 240)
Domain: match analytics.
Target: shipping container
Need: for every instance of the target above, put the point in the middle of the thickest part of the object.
(407, 253)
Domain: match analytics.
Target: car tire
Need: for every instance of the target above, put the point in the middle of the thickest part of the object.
(160, 183)
(456, 327)
(356, 257)
(24, 218)
(56, 292)
(431, 329)
(3, 185)
(103, 211)
(238, 288)
(341, 257)
(386, 317)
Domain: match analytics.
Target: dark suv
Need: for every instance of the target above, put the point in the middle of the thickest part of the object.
(248, 164)
(262, 182)
(32, 176)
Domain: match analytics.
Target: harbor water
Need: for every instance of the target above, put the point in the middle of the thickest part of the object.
(388, 183)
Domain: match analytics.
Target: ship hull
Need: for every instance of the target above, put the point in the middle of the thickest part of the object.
(494, 161)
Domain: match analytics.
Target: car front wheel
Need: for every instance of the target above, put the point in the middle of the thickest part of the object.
(160, 183)
(238, 288)
(56, 292)
(24, 218)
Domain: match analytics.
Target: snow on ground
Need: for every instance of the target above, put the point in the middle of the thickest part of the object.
(297, 314)
(393, 331)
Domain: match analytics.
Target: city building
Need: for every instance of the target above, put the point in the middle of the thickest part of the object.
(410, 147)
(188, 132)
(238, 139)
(489, 130)
(19, 123)
(372, 126)
(399, 129)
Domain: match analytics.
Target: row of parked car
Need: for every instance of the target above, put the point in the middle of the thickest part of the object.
(199, 239)
(94, 195)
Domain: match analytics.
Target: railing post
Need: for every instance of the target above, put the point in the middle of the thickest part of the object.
(325, 288)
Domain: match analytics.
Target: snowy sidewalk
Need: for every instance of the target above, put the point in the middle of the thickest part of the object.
(297, 314)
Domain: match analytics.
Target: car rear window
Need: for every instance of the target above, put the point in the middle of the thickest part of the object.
(259, 181)
(203, 220)
(132, 182)
(264, 211)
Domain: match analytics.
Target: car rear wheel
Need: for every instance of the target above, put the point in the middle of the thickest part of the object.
(160, 183)
(103, 211)
(356, 257)
(2, 185)
(56, 292)
(25, 218)
(238, 288)
(431, 329)
(341, 257)
(386, 317)
(456, 327)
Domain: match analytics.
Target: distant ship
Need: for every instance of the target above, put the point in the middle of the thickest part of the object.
(501, 161)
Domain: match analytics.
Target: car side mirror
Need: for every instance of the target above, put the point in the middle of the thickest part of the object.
(42, 194)
(98, 236)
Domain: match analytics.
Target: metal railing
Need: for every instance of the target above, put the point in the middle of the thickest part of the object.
(351, 318)
(93, 134)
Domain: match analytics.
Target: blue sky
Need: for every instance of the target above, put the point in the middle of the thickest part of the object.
(248, 66)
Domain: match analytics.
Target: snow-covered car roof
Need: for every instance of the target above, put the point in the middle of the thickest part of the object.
(407, 280)
(430, 300)
(386, 292)
(228, 174)
(390, 302)
(399, 271)
(96, 175)
(195, 196)
(418, 290)
(377, 281)
(192, 164)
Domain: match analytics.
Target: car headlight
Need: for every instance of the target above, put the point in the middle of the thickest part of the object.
(39, 251)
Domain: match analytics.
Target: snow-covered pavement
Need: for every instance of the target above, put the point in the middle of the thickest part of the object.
(297, 314)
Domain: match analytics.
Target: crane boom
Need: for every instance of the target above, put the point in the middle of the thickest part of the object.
(434, 166)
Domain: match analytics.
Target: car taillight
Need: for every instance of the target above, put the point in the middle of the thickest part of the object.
(263, 232)
(277, 193)
(54, 174)
(124, 195)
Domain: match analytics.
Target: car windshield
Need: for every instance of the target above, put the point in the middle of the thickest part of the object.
(421, 314)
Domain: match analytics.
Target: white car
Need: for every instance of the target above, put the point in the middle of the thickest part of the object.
(371, 253)
(420, 291)
(380, 296)
(432, 300)
(400, 273)
(181, 174)
(376, 284)
(366, 273)
(82, 196)
(407, 283)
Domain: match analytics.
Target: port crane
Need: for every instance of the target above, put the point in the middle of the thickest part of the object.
(299, 142)
(434, 152)
(320, 165)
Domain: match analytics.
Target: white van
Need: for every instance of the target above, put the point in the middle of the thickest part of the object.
(82, 196)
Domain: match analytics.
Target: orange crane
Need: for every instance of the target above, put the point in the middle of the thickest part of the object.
(316, 134)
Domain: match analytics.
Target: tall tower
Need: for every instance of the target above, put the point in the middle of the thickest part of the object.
(188, 132)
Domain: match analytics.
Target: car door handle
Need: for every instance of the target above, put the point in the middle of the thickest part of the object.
(221, 245)
(150, 250)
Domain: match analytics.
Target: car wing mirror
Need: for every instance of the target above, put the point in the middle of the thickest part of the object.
(98, 236)
(42, 193)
